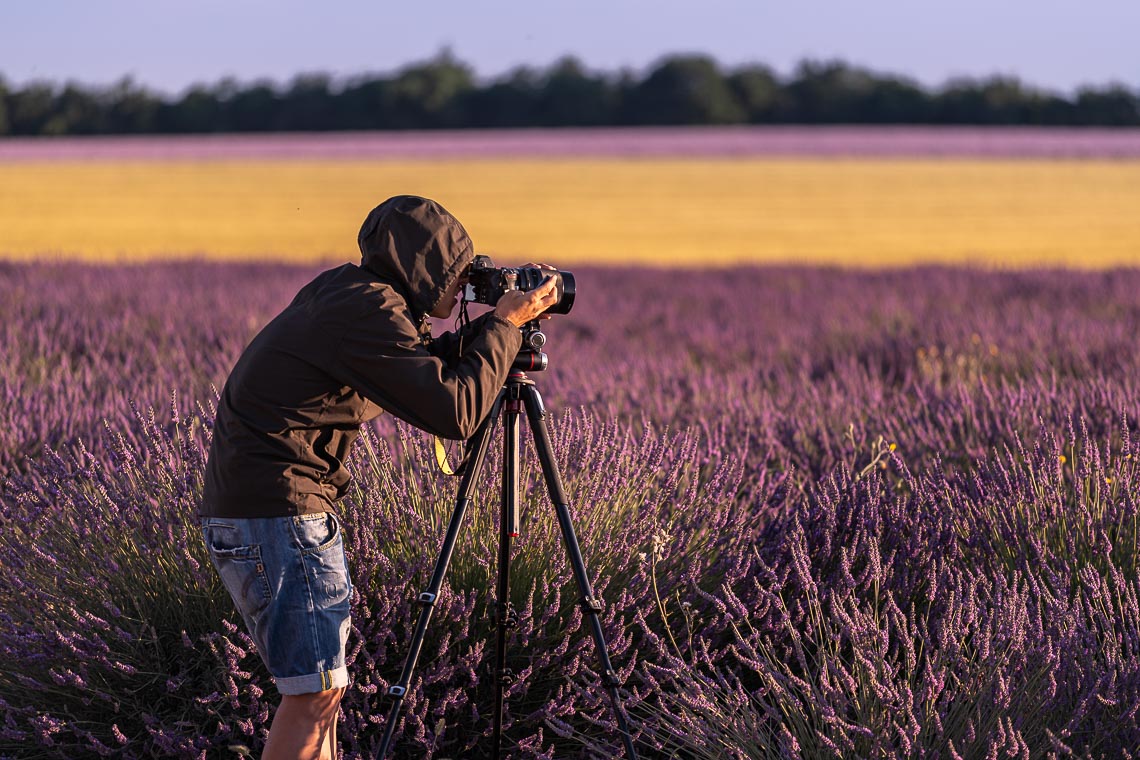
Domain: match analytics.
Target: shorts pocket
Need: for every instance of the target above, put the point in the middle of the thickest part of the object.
(241, 568)
(316, 532)
(323, 556)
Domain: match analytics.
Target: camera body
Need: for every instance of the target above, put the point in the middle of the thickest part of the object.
(487, 283)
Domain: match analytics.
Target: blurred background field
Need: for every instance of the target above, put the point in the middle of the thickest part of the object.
(702, 199)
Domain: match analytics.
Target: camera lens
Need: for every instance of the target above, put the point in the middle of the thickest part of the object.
(566, 291)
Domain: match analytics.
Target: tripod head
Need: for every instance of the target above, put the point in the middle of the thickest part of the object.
(530, 361)
(531, 358)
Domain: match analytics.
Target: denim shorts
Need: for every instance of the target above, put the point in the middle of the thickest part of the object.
(288, 577)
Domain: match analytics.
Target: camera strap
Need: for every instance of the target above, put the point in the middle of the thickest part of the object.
(462, 320)
(441, 458)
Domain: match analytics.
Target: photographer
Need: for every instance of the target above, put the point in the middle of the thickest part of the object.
(353, 343)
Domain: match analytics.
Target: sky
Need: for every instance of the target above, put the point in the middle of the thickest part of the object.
(168, 45)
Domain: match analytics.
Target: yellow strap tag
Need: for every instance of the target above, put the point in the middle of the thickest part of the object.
(441, 457)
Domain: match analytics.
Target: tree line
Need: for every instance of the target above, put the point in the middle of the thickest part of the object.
(444, 93)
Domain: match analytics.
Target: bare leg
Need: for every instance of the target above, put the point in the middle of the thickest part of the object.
(304, 727)
(330, 738)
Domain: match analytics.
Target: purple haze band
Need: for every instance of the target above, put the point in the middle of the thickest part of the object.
(711, 142)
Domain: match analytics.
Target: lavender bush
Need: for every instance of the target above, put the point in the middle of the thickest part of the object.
(832, 513)
(982, 616)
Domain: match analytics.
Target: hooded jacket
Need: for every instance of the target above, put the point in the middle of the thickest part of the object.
(349, 346)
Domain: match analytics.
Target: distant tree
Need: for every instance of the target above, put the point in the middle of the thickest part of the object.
(4, 95)
(428, 95)
(624, 85)
(827, 92)
(76, 111)
(996, 100)
(308, 104)
(1006, 100)
(893, 100)
(30, 109)
(685, 89)
(130, 108)
(510, 101)
(249, 109)
(758, 92)
(198, 110)
(366, 103)
(1112, 106)
(1051, 110)
(569, 97)
(961, 102)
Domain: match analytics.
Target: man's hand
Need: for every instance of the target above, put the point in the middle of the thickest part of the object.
(519, 307)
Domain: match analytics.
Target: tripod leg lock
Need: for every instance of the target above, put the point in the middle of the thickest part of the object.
(592, 604)
(610, 679)
(509, 617)
(396, 691)
(427, 598)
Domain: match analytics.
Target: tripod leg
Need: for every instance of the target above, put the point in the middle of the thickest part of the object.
(591, 605)
(427, 599)
(505, 617)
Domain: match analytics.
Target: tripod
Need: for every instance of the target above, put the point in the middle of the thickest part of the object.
(518, 393)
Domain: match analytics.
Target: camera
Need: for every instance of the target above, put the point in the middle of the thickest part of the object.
(486, 284)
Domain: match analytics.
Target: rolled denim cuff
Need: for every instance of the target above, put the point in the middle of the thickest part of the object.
(314, 682)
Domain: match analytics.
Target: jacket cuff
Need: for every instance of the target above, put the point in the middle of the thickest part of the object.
(512, 335)
(496, 318)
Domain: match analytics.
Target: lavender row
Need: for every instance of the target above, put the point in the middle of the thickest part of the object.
(803, 141)
(795, 367)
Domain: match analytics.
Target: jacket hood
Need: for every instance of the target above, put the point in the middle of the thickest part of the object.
(416, 245)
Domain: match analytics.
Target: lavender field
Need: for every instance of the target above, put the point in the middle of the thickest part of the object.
(832, 514)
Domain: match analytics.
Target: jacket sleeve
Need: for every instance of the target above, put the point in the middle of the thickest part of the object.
(446, 345)
(384, 361)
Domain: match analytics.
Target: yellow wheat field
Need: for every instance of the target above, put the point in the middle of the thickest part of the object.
(677, 211)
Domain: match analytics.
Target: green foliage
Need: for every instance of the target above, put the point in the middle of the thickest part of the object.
(684, 90)
(442, 93)
(758, 92)
(3, 107)
(427, 94)
(571, 97)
